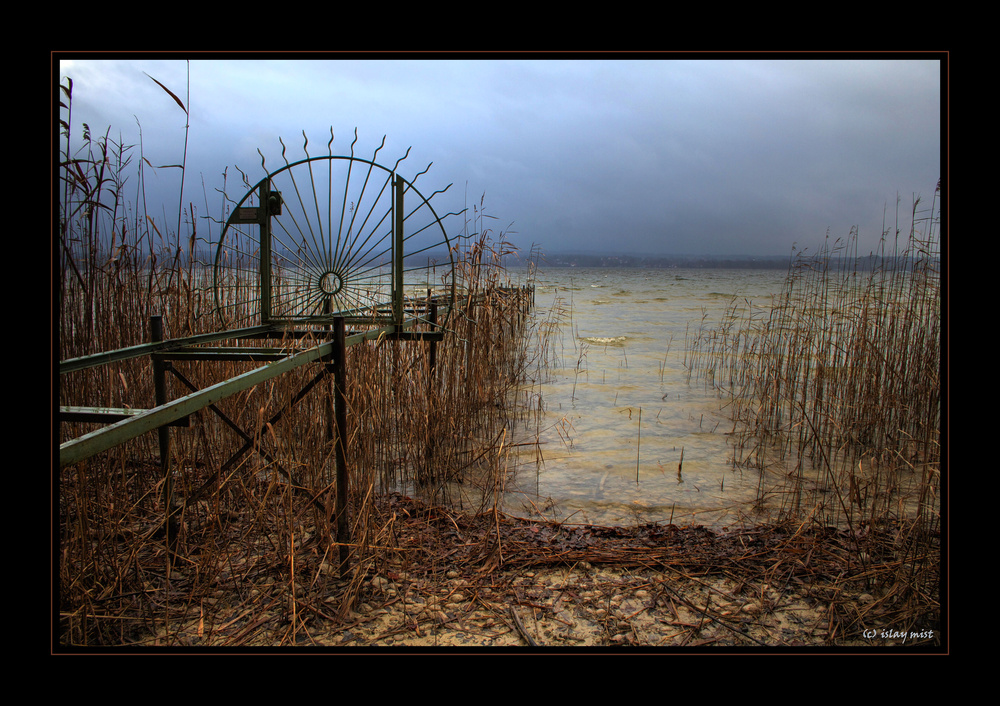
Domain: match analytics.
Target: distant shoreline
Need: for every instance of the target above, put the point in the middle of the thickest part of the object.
(765, 262)
(665, 261)
(608, 260)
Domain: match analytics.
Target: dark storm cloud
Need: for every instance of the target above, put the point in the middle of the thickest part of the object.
(663, 156)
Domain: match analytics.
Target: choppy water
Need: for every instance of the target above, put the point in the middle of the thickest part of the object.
(620, 408)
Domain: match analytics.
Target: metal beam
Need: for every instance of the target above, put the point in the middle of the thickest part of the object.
(92, 361)
(225, 353)
(104, 415)
(397, 252)
(85, 446)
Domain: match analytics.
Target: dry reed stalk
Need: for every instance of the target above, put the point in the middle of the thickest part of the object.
(257, 468)
(835, 391)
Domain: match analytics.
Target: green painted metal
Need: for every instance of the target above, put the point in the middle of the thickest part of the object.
(397, 255)
(330, 235)
(106, 415)
(144, 349)
(283, 261)
(269, 202)
(100, 440)
(87, 445)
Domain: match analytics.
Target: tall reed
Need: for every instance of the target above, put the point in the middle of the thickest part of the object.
(253, 475)
(834, 389)
(837, 381)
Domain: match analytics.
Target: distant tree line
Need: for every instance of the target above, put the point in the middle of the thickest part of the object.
(665, 261)
(743, 262)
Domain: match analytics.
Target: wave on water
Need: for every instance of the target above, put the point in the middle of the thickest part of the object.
(604, 340)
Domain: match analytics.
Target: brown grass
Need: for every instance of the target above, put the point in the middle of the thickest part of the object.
(253, 476)
(834, 390)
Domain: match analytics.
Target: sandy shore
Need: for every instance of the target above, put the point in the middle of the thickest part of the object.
(588, 607)
(455, 583)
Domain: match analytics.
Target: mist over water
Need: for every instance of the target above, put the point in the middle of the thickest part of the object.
(620, 410)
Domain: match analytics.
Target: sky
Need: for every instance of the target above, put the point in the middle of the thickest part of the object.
(725, 156)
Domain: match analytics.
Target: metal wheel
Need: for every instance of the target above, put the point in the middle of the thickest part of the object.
(324, 237)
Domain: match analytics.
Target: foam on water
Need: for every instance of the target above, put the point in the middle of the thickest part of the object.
(605, 340)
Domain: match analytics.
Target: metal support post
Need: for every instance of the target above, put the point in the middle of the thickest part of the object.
(397, 254)
(432, 318)
(265, 209)
(160, 391)
(431, 387)
(340, 405)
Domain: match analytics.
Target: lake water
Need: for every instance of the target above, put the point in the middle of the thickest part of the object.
(621, 413)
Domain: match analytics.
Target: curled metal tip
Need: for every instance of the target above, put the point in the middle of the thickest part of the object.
(427, 169)
(440, 191)
(401, 158)
(375, 153)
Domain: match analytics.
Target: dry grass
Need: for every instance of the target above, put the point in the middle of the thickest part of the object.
(835, 394)
(253, 476)
(265, 458)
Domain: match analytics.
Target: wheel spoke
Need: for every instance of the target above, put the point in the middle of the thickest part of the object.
(328, 262)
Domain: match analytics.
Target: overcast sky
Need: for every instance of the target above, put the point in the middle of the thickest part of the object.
(724, 156)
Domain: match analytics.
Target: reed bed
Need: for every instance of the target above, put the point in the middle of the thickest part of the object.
(253, 477)
(255, 559)
(255, 505)
(841, 371)
(834, 390)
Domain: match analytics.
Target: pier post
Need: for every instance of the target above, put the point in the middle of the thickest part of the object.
(160, 392)
(340, 407)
